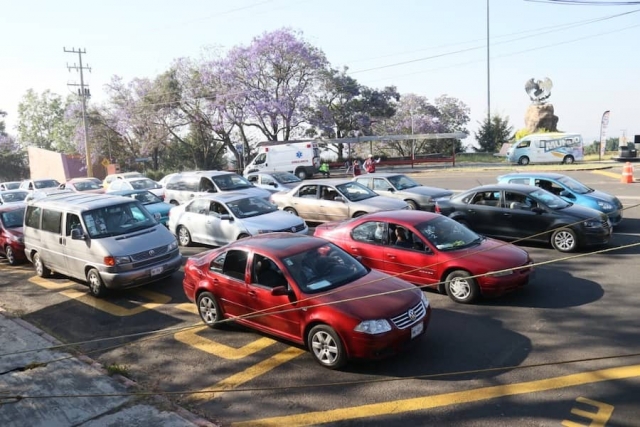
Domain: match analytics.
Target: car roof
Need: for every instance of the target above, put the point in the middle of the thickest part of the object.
(226, 196)
(327, 181)
(524, 188)
(279, 244)
(408, 216)
(379, 174)
(128, 192)
(79, 201)
(205, 173)
(8, 207)
(15, 190)
(551, 175)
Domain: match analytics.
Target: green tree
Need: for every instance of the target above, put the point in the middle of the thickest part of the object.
(42, 122)
(13, 159)
(492, 134)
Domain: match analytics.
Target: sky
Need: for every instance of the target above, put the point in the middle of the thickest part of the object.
(426, 47)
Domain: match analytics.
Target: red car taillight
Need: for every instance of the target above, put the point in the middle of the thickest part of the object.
(437, 210)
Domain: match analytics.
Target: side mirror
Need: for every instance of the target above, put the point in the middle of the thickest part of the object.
(538, 210)
(565, 193)
(226, 217)
(275, 184)
(77, 234)
(391, 189)
(280, 291)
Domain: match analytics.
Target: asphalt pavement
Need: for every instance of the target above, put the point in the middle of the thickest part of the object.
(41, 385)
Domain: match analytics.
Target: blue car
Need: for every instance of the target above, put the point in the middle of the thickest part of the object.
(571, 190)
(150, 201)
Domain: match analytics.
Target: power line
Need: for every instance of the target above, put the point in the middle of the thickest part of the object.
(83, 93)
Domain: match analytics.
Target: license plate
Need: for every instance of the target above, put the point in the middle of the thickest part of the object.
(156, 271)
(417, 330)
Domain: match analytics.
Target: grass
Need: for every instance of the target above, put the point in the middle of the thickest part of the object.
(115, 369)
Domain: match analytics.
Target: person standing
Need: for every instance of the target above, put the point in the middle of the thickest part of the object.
(356, 167)
(324, 168)
(370, 164)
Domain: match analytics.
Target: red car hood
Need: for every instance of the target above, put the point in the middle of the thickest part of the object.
(493, 255)
(378, 307)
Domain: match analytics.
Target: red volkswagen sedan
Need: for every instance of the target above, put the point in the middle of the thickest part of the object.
(308, 291)
(11, 242)
(432, 250)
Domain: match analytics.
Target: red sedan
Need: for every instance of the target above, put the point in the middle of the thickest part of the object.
(432, 250)
(11, 242)
(308, 291)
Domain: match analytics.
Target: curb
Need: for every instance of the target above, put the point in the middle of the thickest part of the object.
(127, 382)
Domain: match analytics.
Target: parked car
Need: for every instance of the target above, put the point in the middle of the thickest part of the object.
(571, 190)
(288, 285)
(39, 184)
(402, 187)
(124, 175)
(140, 183)
(280, 181)
(524, 212)
(324, 200)
(11, 240)
(10, 185)
(432, 250)
(163, 181)
(218, 219)
(109, 242)
(154, 204)
(187, 185)
(82, 185)
(12, 196)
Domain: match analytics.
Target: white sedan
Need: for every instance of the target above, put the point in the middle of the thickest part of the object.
(218, 219)
(138, 183)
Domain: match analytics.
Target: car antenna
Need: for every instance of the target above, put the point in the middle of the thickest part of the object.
(479, 182)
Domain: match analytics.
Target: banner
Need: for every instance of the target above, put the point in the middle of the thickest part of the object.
(603, 132)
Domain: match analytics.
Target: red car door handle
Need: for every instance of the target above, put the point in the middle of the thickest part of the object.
(392, 256)
(252, 293)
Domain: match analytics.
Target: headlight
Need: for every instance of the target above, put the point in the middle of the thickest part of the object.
(606, 206)
(116, 260)
(17, 239)
(590, 223)
(424, 299)
(173, 245)
(373, 327)
(501, 273)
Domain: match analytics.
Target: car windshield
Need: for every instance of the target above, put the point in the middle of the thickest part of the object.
(231, 182)
(447, 234)
(549, 199)
(13, 196)
(285, 177)
(117, 219)
(323, 268)
(12, 185)
(402, 182)
(143, 184)
(14, 218)
(575, 186)
(251, 206)
(46, 183)
(86, 185)
(355, 192)
(146, 197)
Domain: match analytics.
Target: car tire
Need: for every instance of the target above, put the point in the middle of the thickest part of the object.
(11, 256)
(412, 205)
(292, 211)
(209, 309)
(524, 161)
(461, 287)
(301, 173)
(326, 347)
(41, 269)
(96, 285)
(568, 160)
(357, 214)
(174, 203)
(184, 237)
(564, 240)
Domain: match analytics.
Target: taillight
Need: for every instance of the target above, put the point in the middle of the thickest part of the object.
(437, 208)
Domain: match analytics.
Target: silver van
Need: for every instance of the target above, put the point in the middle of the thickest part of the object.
(111, 242)
(184, 186)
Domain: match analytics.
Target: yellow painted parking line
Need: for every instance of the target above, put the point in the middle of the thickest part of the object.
(191, 338)
(456, 398)
(598, 418)
(187, 306)
(250, 373)
(50, 284)
(609, 174)
(117, 310)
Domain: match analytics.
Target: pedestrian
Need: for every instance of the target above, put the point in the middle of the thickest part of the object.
(324, 168)
(356, 168)
(370, 164)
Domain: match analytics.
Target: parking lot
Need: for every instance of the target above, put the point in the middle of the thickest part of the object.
(562, 350)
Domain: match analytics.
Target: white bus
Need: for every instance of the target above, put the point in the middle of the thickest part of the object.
(554, 147)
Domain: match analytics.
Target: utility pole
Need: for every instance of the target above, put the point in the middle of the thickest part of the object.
(488, 72)
(84, 94)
